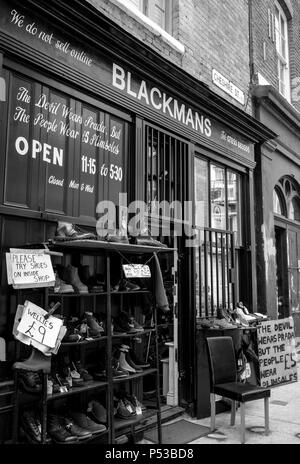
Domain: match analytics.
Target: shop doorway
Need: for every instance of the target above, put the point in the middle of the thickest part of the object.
(281, 272)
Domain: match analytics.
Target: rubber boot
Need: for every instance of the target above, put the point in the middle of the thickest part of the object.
(124, 364)
(37, 361)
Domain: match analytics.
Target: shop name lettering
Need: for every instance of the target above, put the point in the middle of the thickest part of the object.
(159, 100)
(228, 138)
(65, 47)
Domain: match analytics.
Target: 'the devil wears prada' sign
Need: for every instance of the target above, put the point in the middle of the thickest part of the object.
(277, 352)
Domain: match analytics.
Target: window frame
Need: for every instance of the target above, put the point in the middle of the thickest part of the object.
(144, 7)
(282, 61)
(239, 234)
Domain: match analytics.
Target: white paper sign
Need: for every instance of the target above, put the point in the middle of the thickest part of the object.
(136, 271)
(277, 352)
(29, 269)
(34, 325)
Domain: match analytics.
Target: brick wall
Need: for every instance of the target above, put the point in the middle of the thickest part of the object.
(213, 32)
(266, 64)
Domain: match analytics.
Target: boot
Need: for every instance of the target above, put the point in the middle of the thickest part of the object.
(124, 364)
(71, 276)
(95, 329)
(129, 361)
(37, 361)
(66, 231)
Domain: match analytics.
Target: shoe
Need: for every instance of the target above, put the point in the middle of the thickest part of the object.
(124, 323)
(126, 286)
(95, 329)
(115, 329)
(124, 364)
(71, 276)
(126, 348)
(117, 238)
(117, 372)
(84, 374)
(87, 423)
(121, 410)
(72, 335)
(97, 412)
(61, 286)
(30, 382)
(149, 241)
(223, 324)
(136, 325)
(75, 429)
(67, 231)
(129, 406)
(58, 432)
(37, 361)
(134, 358)
(30, 426)
(138, 405)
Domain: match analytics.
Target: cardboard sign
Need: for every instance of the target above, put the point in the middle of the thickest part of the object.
(136, 271)
(277, 352)
(34, 325)
(29, 269)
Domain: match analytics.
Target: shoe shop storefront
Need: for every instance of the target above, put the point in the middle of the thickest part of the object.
(278, 245)
(91, 113)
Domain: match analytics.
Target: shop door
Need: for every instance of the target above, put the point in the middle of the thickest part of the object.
(293, 238)
(282, 282)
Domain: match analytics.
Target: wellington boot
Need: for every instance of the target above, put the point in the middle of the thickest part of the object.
(124, 364)
(37, 361)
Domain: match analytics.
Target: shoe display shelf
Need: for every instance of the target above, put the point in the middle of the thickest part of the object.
(109, 254)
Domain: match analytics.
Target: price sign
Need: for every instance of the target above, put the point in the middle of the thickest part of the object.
(34, 325)
(277, 352)
(136, 271)
(29, 269)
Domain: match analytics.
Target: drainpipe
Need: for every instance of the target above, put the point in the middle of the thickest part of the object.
(251, 45)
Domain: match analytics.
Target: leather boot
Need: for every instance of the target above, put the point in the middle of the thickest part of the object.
(37, 361)
(71, 276)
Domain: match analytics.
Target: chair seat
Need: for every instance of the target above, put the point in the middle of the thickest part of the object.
(242, 392)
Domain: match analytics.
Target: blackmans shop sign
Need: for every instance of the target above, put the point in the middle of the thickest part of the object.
(159, 100)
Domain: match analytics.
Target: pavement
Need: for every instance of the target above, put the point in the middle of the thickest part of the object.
(284, 419)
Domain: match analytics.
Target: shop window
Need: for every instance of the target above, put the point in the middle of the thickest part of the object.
(282, 48)
(218, 198)
(234, 204)
(166, 165)
(294, 209)
(221, 189)
(278, 206)
(218, 225)
(159, 11)
(201, 193)
(286, 198)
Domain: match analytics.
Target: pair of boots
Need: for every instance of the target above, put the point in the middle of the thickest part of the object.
(126, 363)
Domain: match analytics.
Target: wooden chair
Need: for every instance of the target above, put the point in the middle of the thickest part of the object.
(223, 382)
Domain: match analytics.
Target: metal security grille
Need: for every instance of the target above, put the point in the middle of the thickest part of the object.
(166, 167)
(214, 271)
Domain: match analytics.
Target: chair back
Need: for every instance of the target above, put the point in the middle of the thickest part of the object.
(221, 360)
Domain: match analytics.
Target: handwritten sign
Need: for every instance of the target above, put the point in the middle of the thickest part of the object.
(29, 269)
(34, 325)
(277, 352)
(136, 271)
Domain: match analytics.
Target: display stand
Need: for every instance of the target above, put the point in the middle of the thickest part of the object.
(110, 253)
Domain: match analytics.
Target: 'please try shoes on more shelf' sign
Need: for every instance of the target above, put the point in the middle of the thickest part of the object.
(29, 268)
